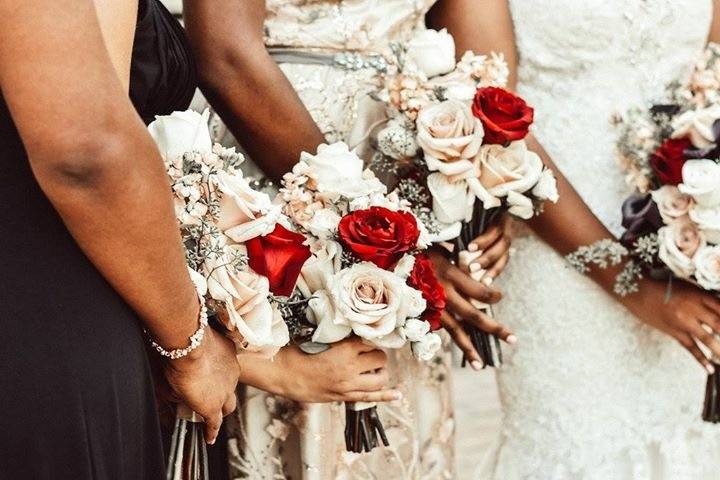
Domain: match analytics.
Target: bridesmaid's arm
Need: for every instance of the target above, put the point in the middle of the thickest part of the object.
(96, 163)
(487, 26)
(715, 25)
(245, 85)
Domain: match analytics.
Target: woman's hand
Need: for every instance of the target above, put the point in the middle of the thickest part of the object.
(205, 380)
(349, 371)
(689, 315)
(460, 290)
(488, 255)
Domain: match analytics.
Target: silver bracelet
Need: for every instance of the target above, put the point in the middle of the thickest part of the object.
(195, 339)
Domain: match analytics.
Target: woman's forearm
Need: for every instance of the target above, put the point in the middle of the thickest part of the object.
(245, 85)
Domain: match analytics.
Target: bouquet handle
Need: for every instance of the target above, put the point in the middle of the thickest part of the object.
(188, 458)
(363, 427)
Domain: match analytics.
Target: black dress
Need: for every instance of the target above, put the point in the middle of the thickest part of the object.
(76, 395)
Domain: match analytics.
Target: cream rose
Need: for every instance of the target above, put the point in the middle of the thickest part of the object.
(701, 180)
(697, 125)
(181, 132)
(451, 201)
(546, 188)
(254, 323)
(450, 137)
(708, 220)
(672, 203)
(678, 244)
(414, 329)
(339, 172)
(244, 213)
(505, 169)
(365, 300)
(432, 51)
(707, 267)
(427, 347)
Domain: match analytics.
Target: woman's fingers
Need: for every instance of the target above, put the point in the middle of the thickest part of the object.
(461, 339)
(486, 239)
(696, 330)
(713, 304)
(370, 382)
(495, 271)
(687, 341)
(230, 405)
(470, 288)
(213, 422)
(478, 318)
(381, 396)
(371, 361)
(494, 253)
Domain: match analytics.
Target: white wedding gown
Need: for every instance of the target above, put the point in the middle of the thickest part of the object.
(589, 392)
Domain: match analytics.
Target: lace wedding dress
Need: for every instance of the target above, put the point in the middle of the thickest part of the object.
(273, 438)
(589, 392)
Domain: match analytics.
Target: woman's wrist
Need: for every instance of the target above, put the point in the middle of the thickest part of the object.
(262, 373)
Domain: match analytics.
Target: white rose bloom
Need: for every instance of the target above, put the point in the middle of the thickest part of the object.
(405, 266)
(339, 172)
(708, 220)
(520, 205)
(254, 323)
(707, 267)
(505, 169)
(450, 137)
(427, 347)
(546, 188)
(451, 201)
(244, 213)
(679, 243)
(432, 51)
(701, 180)
(324, 223)
(697, 125)
(181, 132)
(414, 330)
(368, 301)
(672, 203)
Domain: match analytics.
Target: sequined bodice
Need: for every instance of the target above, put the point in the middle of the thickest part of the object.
(361, 25)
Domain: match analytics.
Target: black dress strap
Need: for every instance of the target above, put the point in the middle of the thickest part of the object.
(163, 76)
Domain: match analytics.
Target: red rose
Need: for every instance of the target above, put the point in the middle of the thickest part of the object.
(423, 278)
(379, 235)
(279, 256)
(668, 160)
(505, 117)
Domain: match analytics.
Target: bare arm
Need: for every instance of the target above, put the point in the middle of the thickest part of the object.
(95, 161)
(245, 85)
(487, 26)
(715, 25)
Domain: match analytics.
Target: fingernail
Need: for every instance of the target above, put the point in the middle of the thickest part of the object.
(474, 267)
(477, 366)
(487, 280)
(511, 339)
(397, 395)
(211, 442)
(473, 247)
(710, 369)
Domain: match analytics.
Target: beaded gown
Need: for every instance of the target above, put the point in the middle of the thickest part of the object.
(77, 398)
(590, 392)
(273, 438)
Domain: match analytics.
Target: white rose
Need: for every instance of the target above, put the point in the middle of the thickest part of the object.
(672, 203)
(405, 266)
(451, 201)
(546, 188)
(368, 301)
(701, 180)
(181, 132)
(697, 125)
(427, 347)
(324, 223)
(505, 169)
(253, 322)
(414, 329)
(450, 136)
(244, 213)
(432, 51)
(339, 172)
(708, 220)
(678, 244)
(707, 267)
(520, 205)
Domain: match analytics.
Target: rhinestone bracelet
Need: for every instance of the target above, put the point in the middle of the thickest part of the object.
(195, 339)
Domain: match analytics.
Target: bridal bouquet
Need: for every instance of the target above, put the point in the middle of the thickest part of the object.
(671, 154)
(240, 256)
(455, 139)
(367, 276)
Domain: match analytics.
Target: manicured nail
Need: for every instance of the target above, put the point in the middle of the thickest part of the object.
(487, 280)
(474, 267)
(473, 247)
(397, 395)
(512, 339)
(710, 369)
(477, 366)
(211, 442)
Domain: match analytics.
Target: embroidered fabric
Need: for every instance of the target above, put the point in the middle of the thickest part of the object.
(590, 392)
